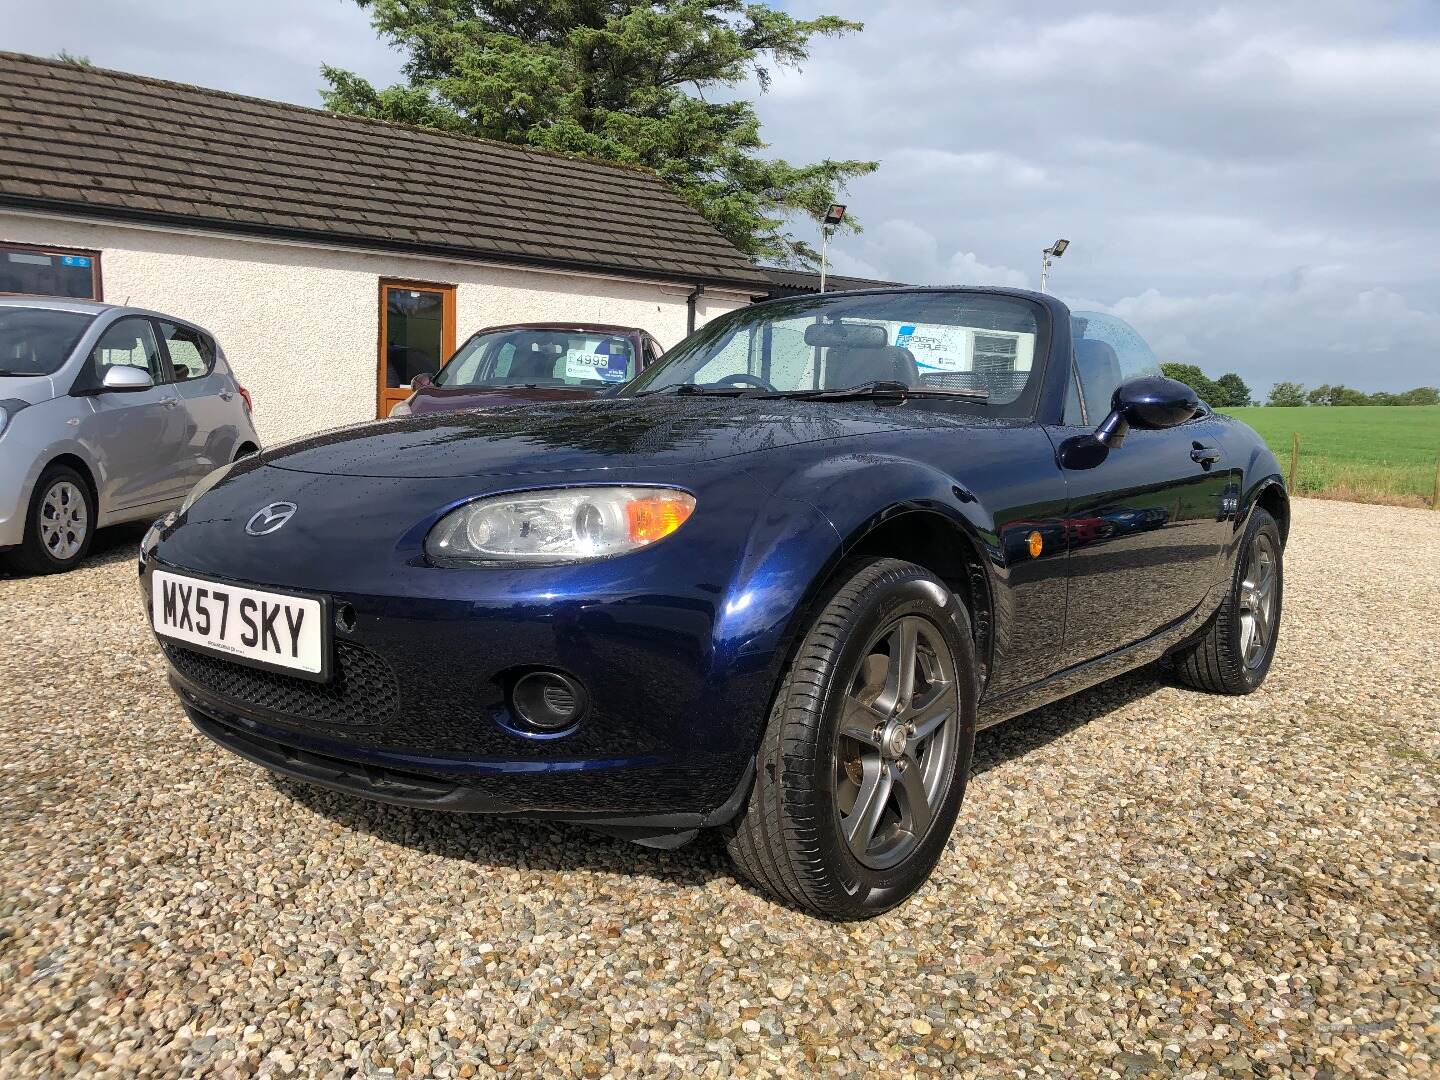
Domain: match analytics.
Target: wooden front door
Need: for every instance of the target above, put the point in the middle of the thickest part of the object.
(417, 335)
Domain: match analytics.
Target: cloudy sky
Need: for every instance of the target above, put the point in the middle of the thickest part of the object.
(1255, 185)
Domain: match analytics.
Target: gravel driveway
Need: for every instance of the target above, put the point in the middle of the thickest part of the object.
(1144, 881)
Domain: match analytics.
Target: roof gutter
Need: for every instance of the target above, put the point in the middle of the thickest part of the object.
(315, 238)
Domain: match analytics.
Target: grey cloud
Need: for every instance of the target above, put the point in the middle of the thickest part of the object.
(1198, 155)
(268, 48)
(1253, 183)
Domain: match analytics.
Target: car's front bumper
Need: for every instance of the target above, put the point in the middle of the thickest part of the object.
(418, 712)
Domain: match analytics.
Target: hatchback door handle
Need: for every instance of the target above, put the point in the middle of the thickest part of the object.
(226, 395)
(1205, 455)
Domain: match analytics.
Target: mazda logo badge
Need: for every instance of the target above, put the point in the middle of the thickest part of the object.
(269, 519)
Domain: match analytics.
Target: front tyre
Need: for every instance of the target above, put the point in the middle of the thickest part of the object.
(59, 524)
(863, 763)
(1233, 655)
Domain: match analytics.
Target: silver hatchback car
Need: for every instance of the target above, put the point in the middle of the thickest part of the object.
(107, 414)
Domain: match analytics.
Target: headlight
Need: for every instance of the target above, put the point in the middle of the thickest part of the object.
(560, 525)
(206, 483)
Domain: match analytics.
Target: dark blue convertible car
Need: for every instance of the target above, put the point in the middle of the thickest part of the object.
(773, 586)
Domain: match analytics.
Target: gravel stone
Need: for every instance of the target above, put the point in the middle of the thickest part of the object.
(1144, 881)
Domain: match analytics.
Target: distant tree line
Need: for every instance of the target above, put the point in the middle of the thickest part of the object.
(1230, 392)
(1292, 395)
(1227, 392)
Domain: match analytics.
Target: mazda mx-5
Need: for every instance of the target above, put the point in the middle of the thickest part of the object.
(773, 586)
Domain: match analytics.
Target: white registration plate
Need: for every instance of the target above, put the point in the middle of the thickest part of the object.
(265, 629)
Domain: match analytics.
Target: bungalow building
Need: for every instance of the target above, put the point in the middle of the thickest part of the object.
(333, 257)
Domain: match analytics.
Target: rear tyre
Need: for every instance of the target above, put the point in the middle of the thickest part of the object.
(1233, 655)
(863, 764)
(59, 524)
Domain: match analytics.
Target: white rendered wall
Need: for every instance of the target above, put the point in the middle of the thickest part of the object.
(300, 325)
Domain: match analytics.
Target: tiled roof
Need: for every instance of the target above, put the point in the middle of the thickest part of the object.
(796, 282)
(77, 138)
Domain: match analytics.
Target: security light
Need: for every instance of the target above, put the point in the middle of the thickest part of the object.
(835, 214)
(1054, 251)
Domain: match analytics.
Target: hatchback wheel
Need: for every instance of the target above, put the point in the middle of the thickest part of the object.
(59, 524)
(863, 764)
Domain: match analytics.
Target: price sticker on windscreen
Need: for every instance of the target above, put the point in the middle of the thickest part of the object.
(610, 362)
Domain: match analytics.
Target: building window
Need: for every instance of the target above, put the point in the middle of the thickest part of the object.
(42, 271)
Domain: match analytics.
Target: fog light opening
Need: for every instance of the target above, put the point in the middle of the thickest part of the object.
(547, 701)
(345, 618)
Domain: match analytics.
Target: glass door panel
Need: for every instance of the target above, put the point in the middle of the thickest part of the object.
(417, 335)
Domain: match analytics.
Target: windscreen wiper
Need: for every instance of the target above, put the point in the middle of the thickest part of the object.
(708, 391)
(888, 388)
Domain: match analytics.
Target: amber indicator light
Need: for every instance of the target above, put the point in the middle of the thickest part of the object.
(1037, 544)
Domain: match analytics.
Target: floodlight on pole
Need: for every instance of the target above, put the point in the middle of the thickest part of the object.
(1047, 256)
(834, 215)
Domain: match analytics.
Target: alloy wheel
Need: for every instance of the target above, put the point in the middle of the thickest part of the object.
(895, 741)
(1257, 601)
(64, 520)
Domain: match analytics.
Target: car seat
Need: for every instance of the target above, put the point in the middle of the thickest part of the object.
(847, 366)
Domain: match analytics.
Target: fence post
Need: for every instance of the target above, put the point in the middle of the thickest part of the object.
(1294, 459)
(1435, 499)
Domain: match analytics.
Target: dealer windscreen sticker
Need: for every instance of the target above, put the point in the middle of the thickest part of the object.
(935, 347)
(610, 362)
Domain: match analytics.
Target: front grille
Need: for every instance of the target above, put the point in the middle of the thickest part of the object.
(363, 689)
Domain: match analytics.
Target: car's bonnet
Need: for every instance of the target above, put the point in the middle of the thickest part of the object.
(31, 389)
(579, 436)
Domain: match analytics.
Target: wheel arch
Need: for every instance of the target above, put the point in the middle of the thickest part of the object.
(936, 541)
(81, 466)
(1275, 501)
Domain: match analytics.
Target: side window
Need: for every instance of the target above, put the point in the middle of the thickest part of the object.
(652, 351)
(1108, 351)
(192, 354)
(129, 342)
(733, 359)
(501, 359)
(1074, 412)
(792, 362)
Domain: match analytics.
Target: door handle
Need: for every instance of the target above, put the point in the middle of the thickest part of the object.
(1204, 455)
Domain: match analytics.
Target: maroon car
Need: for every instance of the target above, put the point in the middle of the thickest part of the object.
(533, 362)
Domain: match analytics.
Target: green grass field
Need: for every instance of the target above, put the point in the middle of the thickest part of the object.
(1363, 453)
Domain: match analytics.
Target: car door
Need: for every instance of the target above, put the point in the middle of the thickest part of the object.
(135, 436)
(206, 394)
(1145, 521)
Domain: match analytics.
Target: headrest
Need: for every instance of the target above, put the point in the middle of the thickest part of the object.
(1095, 355)
(850, 367)
(550, 345)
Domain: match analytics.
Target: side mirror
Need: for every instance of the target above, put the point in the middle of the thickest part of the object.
(125, 379)
(419, 382)
(1149, 402)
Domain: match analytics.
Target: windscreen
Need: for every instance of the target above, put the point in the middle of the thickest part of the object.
(982, 347)
(37, 341)
(541, 358)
